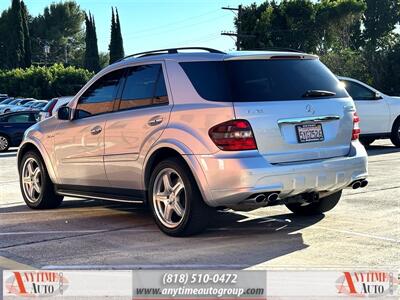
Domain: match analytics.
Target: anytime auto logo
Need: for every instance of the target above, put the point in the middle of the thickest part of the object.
(36, 283)
(367, 284)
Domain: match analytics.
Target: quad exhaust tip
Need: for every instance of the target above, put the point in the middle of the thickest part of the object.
(359, 184)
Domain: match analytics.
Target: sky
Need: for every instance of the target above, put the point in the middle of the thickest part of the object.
(157, 24)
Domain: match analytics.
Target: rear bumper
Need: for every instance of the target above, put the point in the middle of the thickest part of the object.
(229, 179)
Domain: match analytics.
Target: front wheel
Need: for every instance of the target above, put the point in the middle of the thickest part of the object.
(36, 186)
(175, 199)
(323, 205)
(395, 137)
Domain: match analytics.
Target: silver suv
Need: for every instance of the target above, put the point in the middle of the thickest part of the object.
(190, 132)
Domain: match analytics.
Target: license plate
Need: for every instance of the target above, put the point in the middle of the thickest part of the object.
(308, 133)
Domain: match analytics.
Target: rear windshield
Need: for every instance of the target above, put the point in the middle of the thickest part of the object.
(261, 80)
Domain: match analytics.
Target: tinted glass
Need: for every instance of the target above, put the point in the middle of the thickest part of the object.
(49, 105)
(359, 92)
(260, 80)
(6, 101)
(144, 86)
(21, 118)
(99, 98)
(14, 102)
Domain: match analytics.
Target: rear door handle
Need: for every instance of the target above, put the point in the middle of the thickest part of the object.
(96, 130)
(155, 121)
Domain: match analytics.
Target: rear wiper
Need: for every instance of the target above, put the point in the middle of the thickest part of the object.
(317, 93)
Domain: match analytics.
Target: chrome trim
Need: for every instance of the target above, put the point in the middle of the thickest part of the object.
(98, 198)
(308, 119)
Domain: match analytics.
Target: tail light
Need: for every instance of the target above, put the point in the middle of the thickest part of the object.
(233, 135)
(356, 127)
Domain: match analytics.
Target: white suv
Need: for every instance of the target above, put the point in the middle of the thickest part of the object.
(379, 113)
(190, 132)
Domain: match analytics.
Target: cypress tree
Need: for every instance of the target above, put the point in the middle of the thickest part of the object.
(16, 49)
(116, 43)
(27, 38)
(92, 60)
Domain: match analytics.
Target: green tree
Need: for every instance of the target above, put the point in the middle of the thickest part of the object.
(116, 46)
(15, 37)
(92, 60)
(61, 28)
(27, 39)
(380, 19)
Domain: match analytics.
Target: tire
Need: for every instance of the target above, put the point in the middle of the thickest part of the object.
(181, 212)
(395, 136)
(323, 205)
(367, 141)
(37, 189)
(4, 143)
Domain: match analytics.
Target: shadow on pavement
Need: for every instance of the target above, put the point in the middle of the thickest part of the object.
(129, 233)
(381, 150)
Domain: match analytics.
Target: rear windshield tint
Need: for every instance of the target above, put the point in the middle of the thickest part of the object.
(261, 80)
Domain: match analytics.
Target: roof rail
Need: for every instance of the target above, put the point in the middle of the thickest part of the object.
(277, 49)
(169, 51)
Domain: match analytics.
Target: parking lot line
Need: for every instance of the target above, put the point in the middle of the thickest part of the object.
(9, 264)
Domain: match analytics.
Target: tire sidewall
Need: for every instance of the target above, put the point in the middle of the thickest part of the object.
(189, 195)
(395, 133)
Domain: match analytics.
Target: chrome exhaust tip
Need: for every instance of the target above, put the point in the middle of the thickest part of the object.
(260, 198)
(363, 183)
(273, 197)
(356, 185)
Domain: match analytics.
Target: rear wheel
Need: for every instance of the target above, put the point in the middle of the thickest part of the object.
(395, 137)
(323, 205)
(175, 199)
(36, 186)
(4, 143)
(367, 141)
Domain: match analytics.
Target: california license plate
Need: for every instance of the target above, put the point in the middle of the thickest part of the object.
(308, 133)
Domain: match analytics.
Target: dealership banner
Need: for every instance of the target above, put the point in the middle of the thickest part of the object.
(201, 284)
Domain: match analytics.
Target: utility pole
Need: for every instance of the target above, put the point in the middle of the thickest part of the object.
(238, 34)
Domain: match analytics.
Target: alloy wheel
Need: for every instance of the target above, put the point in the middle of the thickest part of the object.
(169, 198)
(32, 180)
(3, 143)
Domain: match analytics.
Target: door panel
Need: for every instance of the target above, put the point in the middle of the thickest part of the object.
(79, 144)
(79, 152)
(143, 114)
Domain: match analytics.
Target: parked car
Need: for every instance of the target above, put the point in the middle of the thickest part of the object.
(188, 132)
(16, 102)
(13, 126)
(30, 106)
(379, 113)
(52, 106)
(3, 97)
(5, 101)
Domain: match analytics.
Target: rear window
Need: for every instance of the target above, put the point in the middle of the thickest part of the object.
(261, 80)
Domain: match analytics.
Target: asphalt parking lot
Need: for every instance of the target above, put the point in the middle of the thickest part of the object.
(362, 231)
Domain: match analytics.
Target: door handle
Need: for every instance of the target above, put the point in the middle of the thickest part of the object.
(96, 130)
(155, 121)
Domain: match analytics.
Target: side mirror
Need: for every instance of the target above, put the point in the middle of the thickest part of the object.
(64, 113)
(378, 96)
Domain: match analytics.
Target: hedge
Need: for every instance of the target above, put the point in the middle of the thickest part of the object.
(43, 82)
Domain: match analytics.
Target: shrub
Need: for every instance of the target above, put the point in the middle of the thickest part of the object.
(43, 82)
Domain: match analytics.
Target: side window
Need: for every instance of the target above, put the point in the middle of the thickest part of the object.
(359, 92)
(21, 118)
(144, 86)
(99, 98)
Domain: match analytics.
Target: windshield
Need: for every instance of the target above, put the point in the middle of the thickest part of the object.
(263, 80)
(49, 105)
(6, 101)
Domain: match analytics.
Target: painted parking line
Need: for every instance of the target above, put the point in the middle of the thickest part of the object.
(9, 264)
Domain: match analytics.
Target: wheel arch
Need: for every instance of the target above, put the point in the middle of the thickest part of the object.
(165, 151)
(31, 146)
